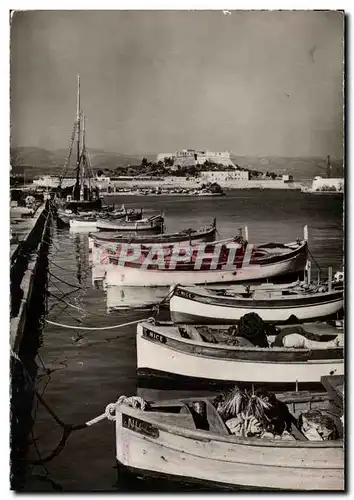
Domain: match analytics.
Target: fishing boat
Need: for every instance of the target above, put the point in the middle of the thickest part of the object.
(184, 237)
(83, 222)
(211, 263)
(186, 357)
(203, 306)
(149, 224)
(192, 441)
(89, 221)
(82, 193)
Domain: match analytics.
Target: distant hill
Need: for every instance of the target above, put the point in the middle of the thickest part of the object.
(37, 161)
(299, 168)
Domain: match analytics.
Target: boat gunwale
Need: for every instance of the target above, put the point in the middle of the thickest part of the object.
(308, 299)
(240, 349)
(197, 233)
(270, 261)
(167, 244)
(207, 436)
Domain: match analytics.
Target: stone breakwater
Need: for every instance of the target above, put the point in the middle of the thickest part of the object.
(173, 183)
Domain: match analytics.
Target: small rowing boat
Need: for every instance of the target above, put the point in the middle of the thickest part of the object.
(184, 237)
(89, 222)
(79, 222)
(190, 357)
(150, 224)
(240, 441)
(202, 306)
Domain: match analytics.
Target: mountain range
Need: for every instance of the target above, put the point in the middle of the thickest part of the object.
(37, 161)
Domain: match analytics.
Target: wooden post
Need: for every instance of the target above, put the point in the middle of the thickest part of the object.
(329, 279)
(246, 233)
(318, 277)
(306, 233)
(308, 272)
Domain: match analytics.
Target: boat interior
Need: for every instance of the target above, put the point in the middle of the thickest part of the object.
(202, 413)
(267, 294)
(318, 335)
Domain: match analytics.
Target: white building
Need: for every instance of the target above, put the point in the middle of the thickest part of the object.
(189, 157)
(224, 175)
(328, 184)
(47, 181)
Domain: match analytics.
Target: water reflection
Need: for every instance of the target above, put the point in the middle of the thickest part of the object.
(120, 297)
(89, 374)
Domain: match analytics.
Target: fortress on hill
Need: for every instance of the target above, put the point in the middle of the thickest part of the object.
(191, 157)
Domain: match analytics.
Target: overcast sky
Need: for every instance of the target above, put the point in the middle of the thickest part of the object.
(255, 83)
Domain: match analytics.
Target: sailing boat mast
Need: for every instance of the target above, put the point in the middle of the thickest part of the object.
(83, 161)
(78, 132)
(78, 119)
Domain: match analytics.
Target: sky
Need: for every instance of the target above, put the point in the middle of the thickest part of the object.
(261, 83)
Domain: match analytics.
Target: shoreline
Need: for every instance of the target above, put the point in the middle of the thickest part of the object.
(172, 193)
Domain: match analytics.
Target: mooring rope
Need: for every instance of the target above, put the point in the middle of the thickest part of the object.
(65, 282)
(67, 428)
(92, 328)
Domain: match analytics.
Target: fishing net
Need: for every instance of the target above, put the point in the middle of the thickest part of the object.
(249, 413)
(316, 426)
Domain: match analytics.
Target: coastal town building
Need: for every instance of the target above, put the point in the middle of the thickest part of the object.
(47, 181)
(325, 184)
(224, 175)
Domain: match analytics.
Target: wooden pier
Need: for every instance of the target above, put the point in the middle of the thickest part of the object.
(32, 236)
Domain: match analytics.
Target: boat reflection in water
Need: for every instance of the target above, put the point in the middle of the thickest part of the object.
(120, 297)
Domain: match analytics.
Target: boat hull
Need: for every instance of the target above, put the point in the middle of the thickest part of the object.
(145, 444)
(162, 353)
(163, 240)
(135, 276)
(187, 306)
(83, 205)
(154, 225)
(77, 224)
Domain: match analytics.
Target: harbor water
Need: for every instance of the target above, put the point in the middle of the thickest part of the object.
(81, 371)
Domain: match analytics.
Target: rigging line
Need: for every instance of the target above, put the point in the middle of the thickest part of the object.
(313, 258)
(57, 242)
(61, 311)
(73, 327)
(64, 311)
(37, 403)
(67, 428)
(64, 294)
(66, 283)
(78, 308)
(60, 267)
(61, 291)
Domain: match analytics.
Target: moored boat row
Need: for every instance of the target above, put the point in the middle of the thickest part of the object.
(280, 426)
